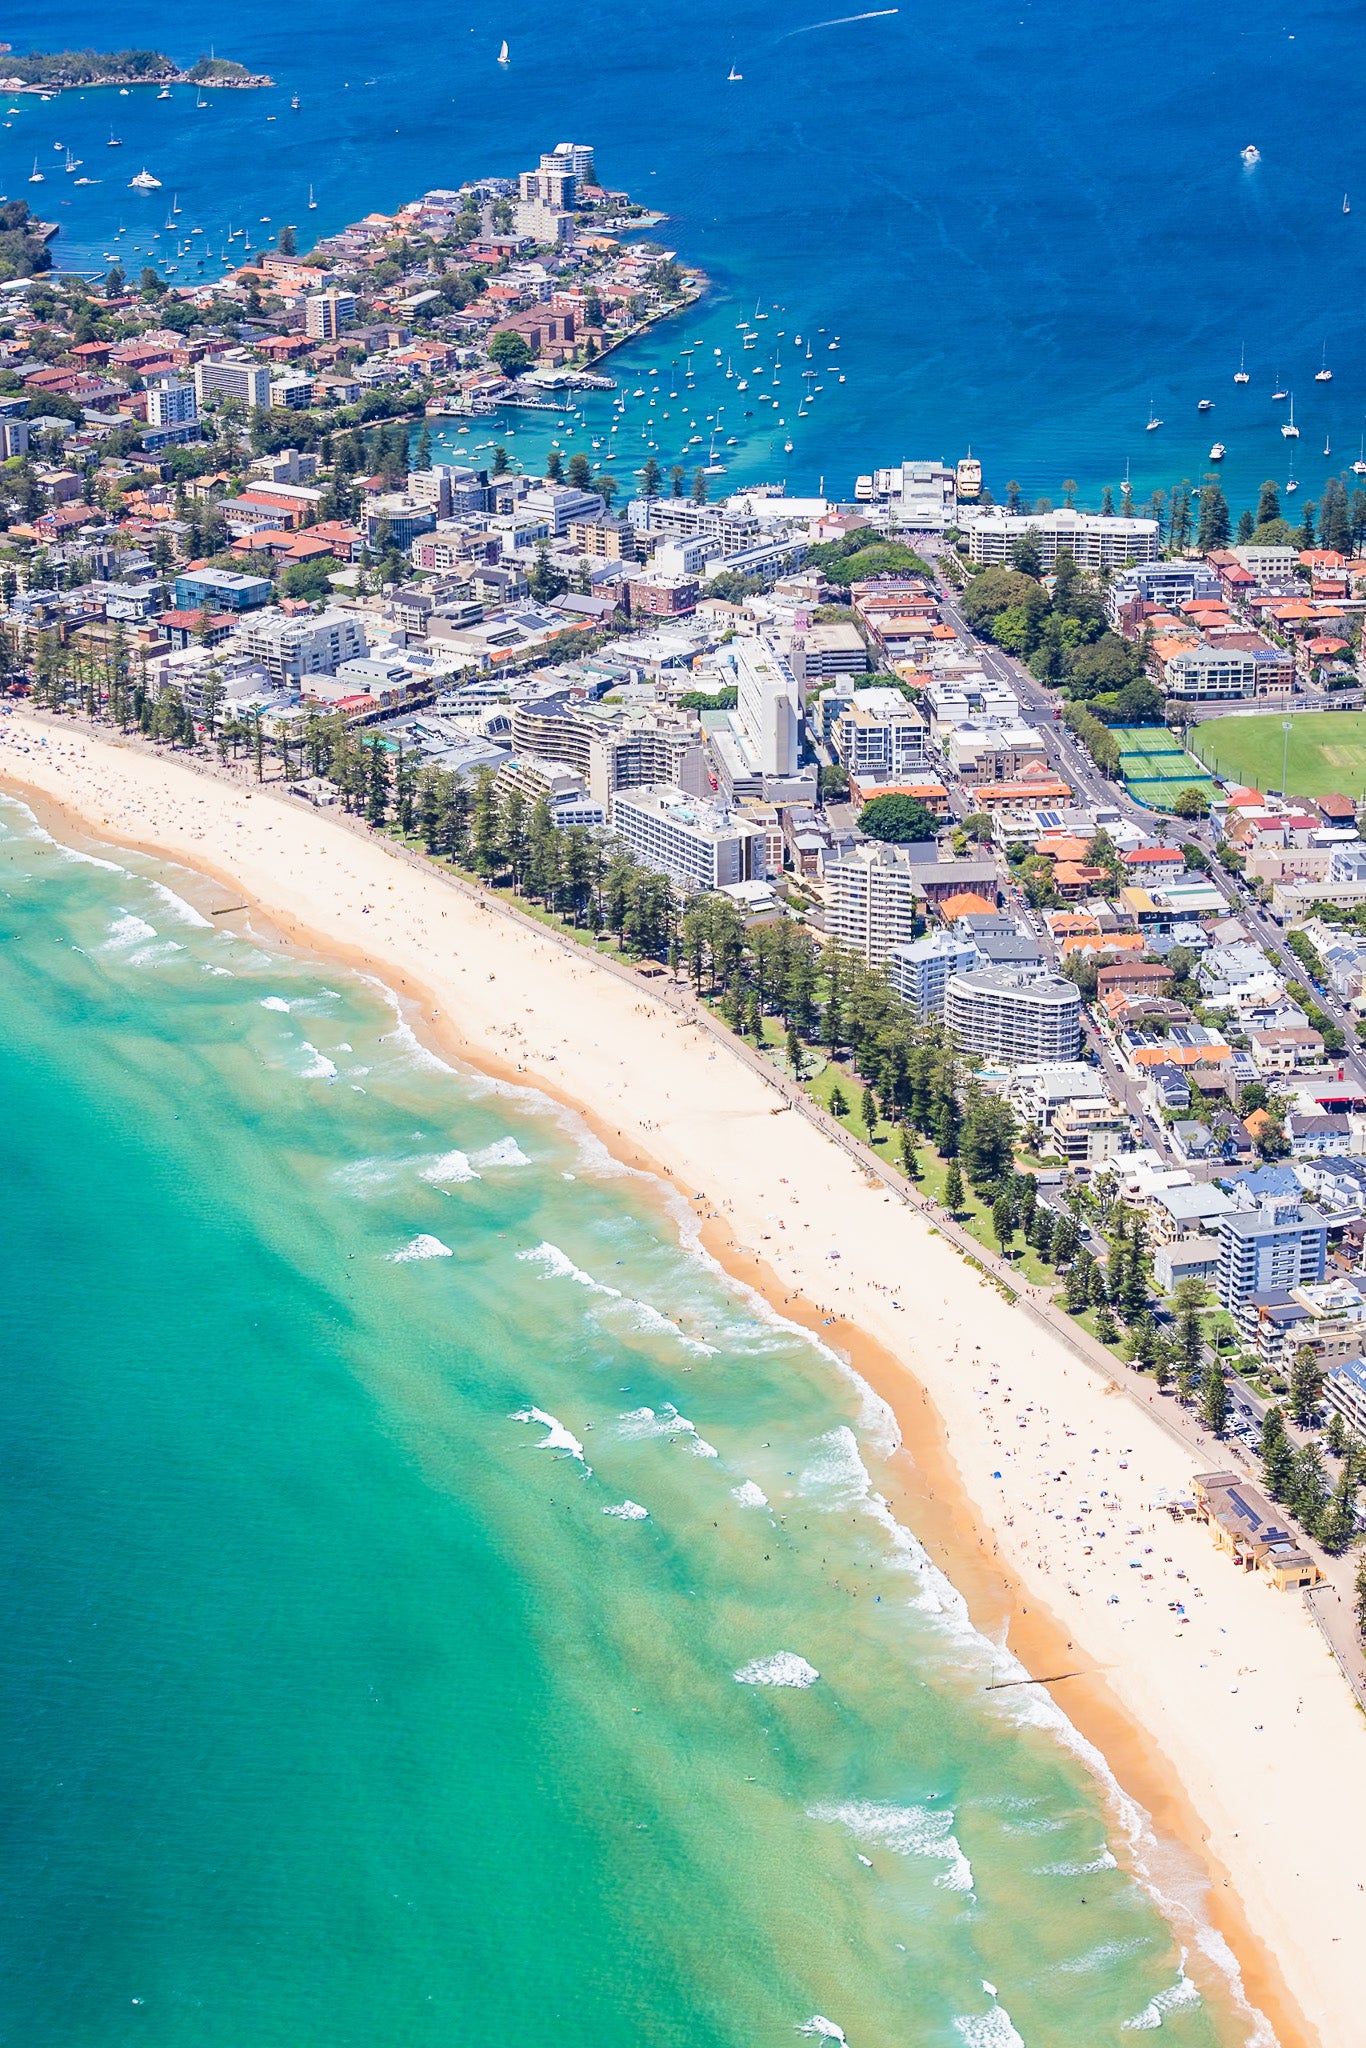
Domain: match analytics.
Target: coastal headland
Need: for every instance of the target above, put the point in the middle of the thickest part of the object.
(46, 72)
(1217, 1725)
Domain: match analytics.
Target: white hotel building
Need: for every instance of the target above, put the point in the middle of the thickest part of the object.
(1012, 1016)
(1095, 540)
(696, 845)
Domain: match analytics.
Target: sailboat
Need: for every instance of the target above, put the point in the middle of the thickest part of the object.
(1346, 206)
(1291, 485)
(503, 54)
(1359, 466)
(734, 77)
(35, 176)
(294, 104)
(1325, 375)
(312, 202)
(1288, 427)
(1327, 445)
(1153, 421)
(1241, 374)
(115, 141)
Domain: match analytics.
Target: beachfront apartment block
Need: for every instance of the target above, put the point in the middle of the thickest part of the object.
(611, 747)
(1007, 1016)
(289, 649)
(1279, 1244)
(1095, 540)
(327, 313)
(872, 896)
(233, 377)
(920, 972)
(696, 844)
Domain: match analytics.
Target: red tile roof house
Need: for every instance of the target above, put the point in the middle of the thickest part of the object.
(1154, 864)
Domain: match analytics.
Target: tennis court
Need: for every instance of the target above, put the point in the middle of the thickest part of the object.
(1156, 767)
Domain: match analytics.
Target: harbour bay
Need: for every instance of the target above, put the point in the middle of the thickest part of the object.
(1027, 252)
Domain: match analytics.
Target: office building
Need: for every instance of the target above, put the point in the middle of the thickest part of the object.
(920, 494)
(327, 313)
(1007, 1016)
(920, 972)
(395, 520)
(219, 377)
(291, 649)
(695, 844)
(1095, 540)
(1277, 1245)
(1217, 673)
(220, 590)
(872, 899)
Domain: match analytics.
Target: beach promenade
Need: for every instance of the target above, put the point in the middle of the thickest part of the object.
(1036, 1468)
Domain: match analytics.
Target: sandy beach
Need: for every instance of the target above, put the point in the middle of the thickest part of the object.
(1034, 1481)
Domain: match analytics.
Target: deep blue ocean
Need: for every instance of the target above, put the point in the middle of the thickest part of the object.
(1029, 226)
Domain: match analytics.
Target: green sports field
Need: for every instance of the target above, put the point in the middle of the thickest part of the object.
(1156, 768)
(1327, 752)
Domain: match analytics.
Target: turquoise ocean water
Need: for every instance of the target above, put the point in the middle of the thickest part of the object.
(1029, 227)
(439, 1606)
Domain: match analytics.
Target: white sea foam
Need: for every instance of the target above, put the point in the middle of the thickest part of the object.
(629, 1511)
(644, 1422)
(128, 930)
(1105, 1861)
(559, 1266)
(1104, 1952)
(749, 1495)
(186, 912)
(994, 2029)
(906, 1831)
(785, 1668)
(363, 1174)
(1178, 1995)
(557, 1437)
(448, 1170)
(503, 1152)
(837, 1471)
(651, 1320)
(320, 1067)
(275, 1003)
(421, 1247)
(822, 2028)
